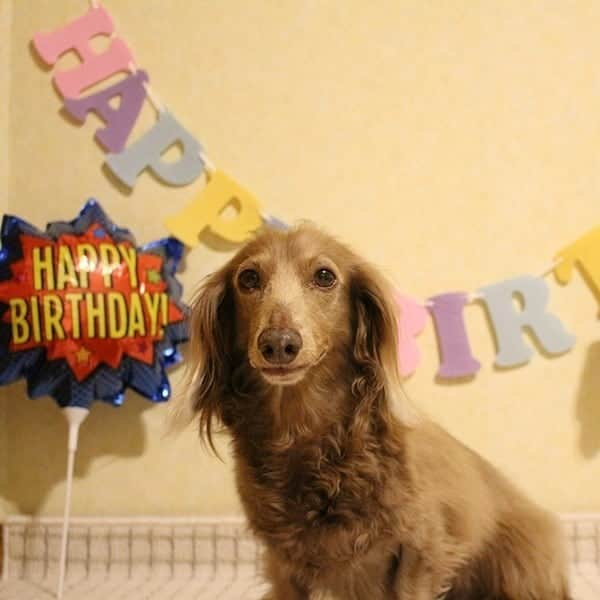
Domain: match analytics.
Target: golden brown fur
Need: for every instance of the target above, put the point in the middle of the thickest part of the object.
(351, 498)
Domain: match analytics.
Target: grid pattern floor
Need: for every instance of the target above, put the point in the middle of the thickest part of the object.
(206, 585)
(585, 584)
(181, 559)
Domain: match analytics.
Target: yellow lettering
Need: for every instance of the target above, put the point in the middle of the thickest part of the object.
(109, 261)
(65, 271)
(18, 320)
(152, 302)
(136, 316)
(129, 256)
(164, 308)
(96, 318)
(74, 298)
(53, 311)
(41, 266)
(116, 309)
(35, 318)
(87, 261)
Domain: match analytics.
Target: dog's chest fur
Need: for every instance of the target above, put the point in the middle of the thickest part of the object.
(321, 501)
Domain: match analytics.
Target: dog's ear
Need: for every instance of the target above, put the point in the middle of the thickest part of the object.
(375, 344)
(375, 329)
(211, 327)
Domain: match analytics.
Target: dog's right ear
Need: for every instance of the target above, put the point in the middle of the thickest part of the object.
(208, 354)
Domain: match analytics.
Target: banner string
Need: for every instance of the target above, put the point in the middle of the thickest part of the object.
(208, 164)
(210, 168)
(551, 268)
(157, 103)
(472, 296)
(150, 93)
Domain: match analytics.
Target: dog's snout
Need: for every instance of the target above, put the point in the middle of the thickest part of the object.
(279, 346)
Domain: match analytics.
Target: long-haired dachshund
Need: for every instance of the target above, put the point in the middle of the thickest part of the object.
(294, 350)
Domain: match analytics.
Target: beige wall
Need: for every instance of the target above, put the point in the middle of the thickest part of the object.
(454, 144)
(5, 72)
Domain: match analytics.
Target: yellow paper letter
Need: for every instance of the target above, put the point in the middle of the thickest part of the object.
(206, 210)
(585, 252)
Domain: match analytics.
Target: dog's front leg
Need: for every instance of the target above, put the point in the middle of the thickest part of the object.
(284, 586)
(417, 577)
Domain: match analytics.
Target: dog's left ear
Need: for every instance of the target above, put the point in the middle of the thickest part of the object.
(375, 327)
(375, 343)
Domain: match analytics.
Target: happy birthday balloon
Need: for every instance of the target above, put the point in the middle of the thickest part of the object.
(85, 313)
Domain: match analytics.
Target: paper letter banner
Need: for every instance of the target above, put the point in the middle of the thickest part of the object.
(411, 322)
(147, 153)
(119, 121)
(76, 36)
(585, 252)
(455, 351)
(85, 313)
(206, 208)
(275, 223)
(508, 323)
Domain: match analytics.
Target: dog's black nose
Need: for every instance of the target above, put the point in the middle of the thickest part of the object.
(279, 346)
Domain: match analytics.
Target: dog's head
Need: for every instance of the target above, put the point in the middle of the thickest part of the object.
(286, 307)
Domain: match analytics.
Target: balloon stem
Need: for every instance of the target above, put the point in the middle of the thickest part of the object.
(75, 417)
(66, 516)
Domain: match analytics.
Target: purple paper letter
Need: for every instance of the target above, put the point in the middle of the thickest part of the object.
(119, 121)
(456, 357)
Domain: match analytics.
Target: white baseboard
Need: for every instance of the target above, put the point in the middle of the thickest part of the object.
(186, 557)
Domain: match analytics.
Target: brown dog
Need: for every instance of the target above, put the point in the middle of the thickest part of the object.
(293, 349)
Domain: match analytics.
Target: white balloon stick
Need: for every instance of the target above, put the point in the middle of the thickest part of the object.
(75, 416)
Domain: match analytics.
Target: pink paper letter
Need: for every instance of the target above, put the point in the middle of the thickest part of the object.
(411, 322)
(76, 36)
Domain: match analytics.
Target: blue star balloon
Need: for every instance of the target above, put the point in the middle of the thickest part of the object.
(84, 313)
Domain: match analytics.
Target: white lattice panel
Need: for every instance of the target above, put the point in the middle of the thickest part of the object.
(181, 559)
(133, 559)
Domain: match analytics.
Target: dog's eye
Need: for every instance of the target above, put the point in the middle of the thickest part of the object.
(249, 279)
(324, 278)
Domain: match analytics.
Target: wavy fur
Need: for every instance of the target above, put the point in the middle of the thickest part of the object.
(351, 497)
